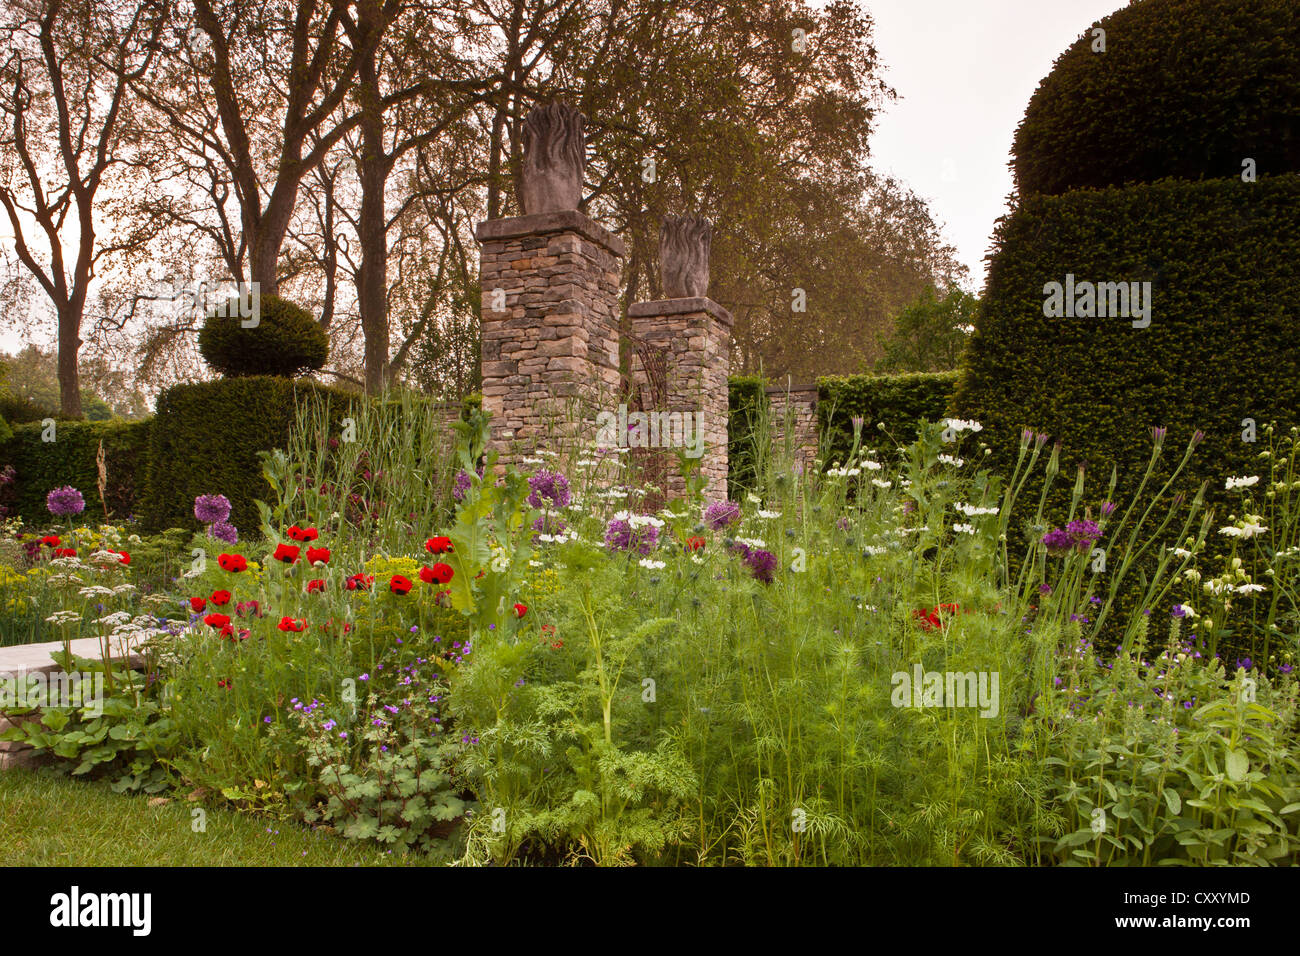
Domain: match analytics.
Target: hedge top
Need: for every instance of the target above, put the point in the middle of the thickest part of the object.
(1188, 89)
(285, 340)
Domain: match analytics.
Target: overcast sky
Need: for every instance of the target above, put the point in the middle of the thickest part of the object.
(964, 71)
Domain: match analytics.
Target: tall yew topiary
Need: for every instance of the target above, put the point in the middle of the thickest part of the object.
(282, 339)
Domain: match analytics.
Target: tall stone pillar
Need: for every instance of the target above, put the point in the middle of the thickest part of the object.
(550, 285)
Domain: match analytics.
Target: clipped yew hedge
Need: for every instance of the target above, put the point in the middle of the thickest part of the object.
(1185, 89)
(900, 401)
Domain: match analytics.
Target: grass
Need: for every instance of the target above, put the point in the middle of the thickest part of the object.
(50, 820)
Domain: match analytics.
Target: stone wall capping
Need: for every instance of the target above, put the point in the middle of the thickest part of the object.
(564, 220)
(663, 307)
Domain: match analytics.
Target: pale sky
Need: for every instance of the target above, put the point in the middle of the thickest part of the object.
(964, 71)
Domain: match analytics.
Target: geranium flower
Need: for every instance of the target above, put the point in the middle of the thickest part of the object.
(232, 562)
(198, 604)
(216, 620)
(400, 585)
(288, 553)
(314, 586)
(438, 545)
(288, 624)
(521, 610)
(220, 597)
(318, 555)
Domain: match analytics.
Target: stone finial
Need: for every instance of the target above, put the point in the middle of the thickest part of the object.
(684, 243)
(555, 153)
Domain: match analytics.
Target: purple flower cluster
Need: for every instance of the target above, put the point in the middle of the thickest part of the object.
(720, 514)
(1077, 535)
(550, 489)
(65, 501)
(224, 531)
(761, 563)
(549, 524)
(463, 482)
(621, 536)
(212, 509)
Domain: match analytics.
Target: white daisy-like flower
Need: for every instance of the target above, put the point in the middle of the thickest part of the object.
(1250, 588)
(881, 483)
(950, 460)
(1188, 610)
(961, 425)
(1234, 483)
(751, 542)
(970, 511)
(871, 465)
(964, 528)
(1181, 552)
(1248, 528)
(651, 565)
(769, 515)
(967, 328)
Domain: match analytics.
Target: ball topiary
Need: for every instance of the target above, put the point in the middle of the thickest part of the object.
(1185, 89)
(285, 341)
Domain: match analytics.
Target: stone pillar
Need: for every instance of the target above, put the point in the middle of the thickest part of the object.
(550, 285)
(693, 337)
(798, 405)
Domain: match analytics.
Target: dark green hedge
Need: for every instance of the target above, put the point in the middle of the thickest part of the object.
(42, 466)
(206, 438)
(1185, 89)
(747, 406)
(897, 400)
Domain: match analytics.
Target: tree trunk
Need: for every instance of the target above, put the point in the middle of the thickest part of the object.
(69, 347)
(372, 278)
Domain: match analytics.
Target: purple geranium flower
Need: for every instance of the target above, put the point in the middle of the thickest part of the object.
(211, 509)
(65, 501)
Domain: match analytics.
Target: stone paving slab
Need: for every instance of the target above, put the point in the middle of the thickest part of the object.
(35, 658)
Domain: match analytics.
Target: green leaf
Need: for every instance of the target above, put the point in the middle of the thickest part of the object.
(1173, 801)
(1238, 765)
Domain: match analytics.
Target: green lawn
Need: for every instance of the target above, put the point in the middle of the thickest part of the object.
(51, 820)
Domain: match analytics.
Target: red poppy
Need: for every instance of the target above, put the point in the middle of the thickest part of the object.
(51, 541)
(291, 624)
(318, 554)
(442, 573)
(438, 545)
(303, 534)
(244, 606)
(695, 543)
(227, 631)
(400, 585)
(122, 557)
(232, 562)
(288, 553)
(65, 552)
(224, 684)
(360, 582)
(521, 610)
(929, 620)
(198, 604)
(217, 620)
(557, 645)
(314, 586)
(220, 598)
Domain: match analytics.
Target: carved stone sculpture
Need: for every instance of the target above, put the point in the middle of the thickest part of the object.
(684, 243)
(555, 153)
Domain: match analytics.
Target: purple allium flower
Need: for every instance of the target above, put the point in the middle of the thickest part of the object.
(762, 564)
(1044, 589)
(1084, 533)
(65, 501)
(1058, 541)
(720, 514)
(224, 531)
(1107, 508)
(621, 536)
(212, 509)
(463, 483)
(549, 524)
(548, 487)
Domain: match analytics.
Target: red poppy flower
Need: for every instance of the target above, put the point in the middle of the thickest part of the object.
(65, 552)
(303, 534)
(291, 624)
(232, 562)
(438, 545)
(400, 585)
(220, 598)
(318, 554)
(695, 543)
(314, 586)
(521, 610)
(51, 541)
(198, 604)
(217, 620)
(224, 684)
(123, 557)
(548, 628)
(243, 635)
(360, 582)
(244, 606)
(442, 573)
(288, 553)
(557, 645)
(227, 631)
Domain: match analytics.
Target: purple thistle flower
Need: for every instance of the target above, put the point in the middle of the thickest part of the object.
(212, 509)
(65, 501)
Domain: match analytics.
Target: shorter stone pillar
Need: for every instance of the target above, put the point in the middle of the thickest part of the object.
(796, 404)
(693, 337)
